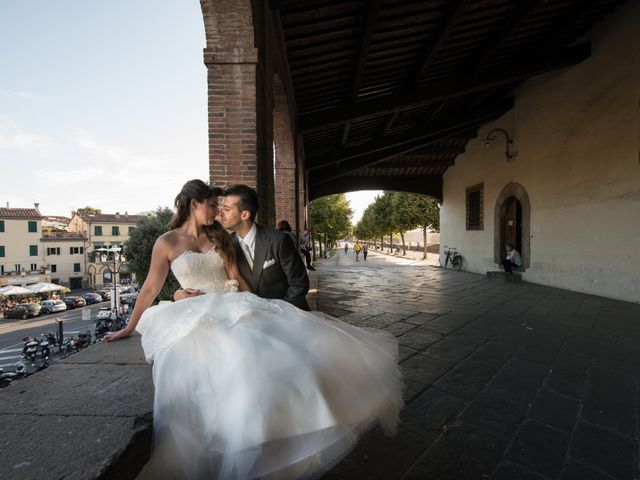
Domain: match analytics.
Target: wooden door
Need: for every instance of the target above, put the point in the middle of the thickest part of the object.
(510, 222)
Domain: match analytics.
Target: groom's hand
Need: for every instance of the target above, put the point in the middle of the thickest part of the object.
(181, 294)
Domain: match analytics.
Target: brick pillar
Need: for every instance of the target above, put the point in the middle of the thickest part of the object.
(231, 61)
(285, 158)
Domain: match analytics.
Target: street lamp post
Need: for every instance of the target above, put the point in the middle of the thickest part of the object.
(117, 263)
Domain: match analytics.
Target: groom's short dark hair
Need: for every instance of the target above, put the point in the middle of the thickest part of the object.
(248, 198)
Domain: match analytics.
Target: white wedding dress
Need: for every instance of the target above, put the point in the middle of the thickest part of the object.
(248, 388)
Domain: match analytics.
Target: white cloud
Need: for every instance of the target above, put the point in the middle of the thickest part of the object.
(27, 142)
(25, 95)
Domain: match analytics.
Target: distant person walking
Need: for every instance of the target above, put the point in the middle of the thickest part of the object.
(357, 248)
(365, 251)
(346, 248)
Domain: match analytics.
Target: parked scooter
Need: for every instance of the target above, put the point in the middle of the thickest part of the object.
(6, 378)
(36, 353)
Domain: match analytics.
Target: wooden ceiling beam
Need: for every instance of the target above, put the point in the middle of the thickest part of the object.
(377, 151)
(519, 13)
(529, 66)
(446, 27)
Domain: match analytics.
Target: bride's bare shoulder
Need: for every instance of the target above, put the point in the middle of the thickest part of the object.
(167, 243)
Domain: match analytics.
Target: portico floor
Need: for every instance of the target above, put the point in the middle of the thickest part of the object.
(504, 380)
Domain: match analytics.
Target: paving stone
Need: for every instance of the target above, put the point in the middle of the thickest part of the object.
(449, 323)
(610, 452)
(419, 338)
(400, 328)
(574, 470)
(518, 380)
(610, 401)
(495, 354)
(405, 353)
(449, 350)
(512, 471)
(463, 452)
(355, 317)
(381, 320)
(348, 470)
(569, 374)
(556, 410)
(467, 379)
(540, 448)
(495, 414)
(374, 451)
(430, 411)
(421, 318)
(420, 371)
(539, 349)
(514, 334)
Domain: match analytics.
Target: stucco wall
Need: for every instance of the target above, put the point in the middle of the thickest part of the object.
(577, 134)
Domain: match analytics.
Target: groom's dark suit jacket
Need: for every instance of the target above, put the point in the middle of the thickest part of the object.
(278, 271)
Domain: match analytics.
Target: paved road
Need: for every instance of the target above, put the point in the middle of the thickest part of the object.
(13, 330)
(505, 381)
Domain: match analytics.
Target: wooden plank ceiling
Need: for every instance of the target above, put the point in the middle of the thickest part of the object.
(389, 88)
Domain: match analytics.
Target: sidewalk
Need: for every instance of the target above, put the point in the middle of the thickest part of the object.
(504, 381)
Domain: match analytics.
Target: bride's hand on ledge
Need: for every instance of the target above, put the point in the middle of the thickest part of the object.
(111, 336)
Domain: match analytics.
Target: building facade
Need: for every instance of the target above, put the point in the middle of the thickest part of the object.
(64, 254)
(103, 231)
(569, 200)
(22, 260)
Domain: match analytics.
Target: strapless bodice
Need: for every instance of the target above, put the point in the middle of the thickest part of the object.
(202, 271)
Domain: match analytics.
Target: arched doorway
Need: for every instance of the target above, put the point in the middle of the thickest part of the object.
(512, 223)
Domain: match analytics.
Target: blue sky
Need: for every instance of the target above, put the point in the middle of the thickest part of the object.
(102, 104)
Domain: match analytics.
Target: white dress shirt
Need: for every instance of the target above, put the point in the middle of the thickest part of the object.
(250, 241)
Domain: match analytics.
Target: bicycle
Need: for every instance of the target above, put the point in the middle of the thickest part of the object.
(453, 257)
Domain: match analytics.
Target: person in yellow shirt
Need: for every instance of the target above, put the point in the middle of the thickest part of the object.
(357, 248)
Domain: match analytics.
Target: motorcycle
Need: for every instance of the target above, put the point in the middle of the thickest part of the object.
(36, 353)
(6, 378)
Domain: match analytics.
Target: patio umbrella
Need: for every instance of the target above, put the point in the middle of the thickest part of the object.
(14, 290)
(44, 287)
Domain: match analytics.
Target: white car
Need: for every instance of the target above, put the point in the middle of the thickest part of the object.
(52, 306)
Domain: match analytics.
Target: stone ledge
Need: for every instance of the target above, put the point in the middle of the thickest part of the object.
(87, 417)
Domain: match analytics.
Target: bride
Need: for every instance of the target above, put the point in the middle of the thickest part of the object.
(245, 387)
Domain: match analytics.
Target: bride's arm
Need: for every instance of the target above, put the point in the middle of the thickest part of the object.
(234, 273)
(158, 272)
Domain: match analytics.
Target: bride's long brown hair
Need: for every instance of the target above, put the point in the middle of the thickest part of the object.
(201, 192)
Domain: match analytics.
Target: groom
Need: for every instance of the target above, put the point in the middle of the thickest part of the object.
(267, 259)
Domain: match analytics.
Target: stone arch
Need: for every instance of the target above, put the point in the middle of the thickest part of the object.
(284, 158)
(517, 191)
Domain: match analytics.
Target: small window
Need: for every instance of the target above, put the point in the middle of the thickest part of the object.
(33, 250)
(1, 269)
(81, 249)
(131, 229)
(76, 267)
(97, 230)
(34, 267)
(17, 268)
(1, 250)
(54, 268)
(1, 225)
(115, 231)
(474, 210)
(33, 226)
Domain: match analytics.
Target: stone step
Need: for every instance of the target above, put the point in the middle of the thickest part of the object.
(500, 275)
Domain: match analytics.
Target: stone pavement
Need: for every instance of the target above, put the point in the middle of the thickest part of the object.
(504, 381)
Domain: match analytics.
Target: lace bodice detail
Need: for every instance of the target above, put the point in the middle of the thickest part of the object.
(203, 271)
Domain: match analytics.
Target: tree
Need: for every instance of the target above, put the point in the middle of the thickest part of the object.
(91, 210)
(428, 217)
(331, 215)
(140, 245)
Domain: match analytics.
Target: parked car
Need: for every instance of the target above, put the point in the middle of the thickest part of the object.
(52, 306)
(74, 302)
(105, 294)
(23, 310)
(91, 298)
